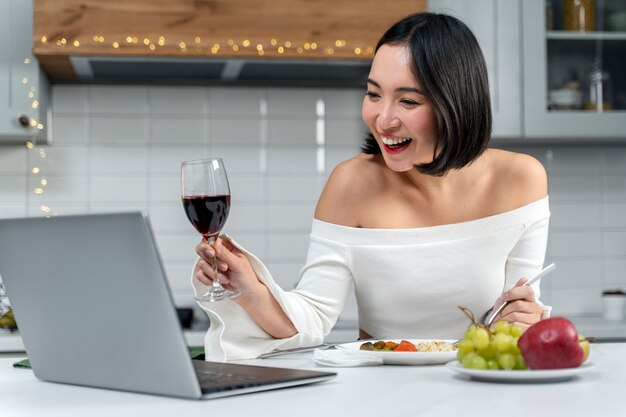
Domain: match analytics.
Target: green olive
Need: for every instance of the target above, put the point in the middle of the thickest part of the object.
(367, 346)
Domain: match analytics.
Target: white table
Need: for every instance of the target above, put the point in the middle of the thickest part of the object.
(398, 391)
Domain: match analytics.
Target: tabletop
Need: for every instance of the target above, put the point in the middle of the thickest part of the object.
(393, 390)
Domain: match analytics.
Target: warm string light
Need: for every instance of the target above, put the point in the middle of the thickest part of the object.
(30, 144)
(37, 171)
(197, 43)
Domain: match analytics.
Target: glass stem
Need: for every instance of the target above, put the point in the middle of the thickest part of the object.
(216, 283)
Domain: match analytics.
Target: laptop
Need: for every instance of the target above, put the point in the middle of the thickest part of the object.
(94, 308)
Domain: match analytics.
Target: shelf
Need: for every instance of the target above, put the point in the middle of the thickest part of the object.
(584, 113)
(586, 36)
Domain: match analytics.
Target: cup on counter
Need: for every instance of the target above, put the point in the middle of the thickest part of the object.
(614, 302)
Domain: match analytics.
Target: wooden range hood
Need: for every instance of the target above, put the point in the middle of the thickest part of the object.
(327, 42)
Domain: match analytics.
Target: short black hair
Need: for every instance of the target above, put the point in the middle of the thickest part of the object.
(450, 66)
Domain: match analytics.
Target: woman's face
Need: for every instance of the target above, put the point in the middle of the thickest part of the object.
(397, 112)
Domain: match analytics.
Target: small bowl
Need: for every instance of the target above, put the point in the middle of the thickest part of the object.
(565, 99)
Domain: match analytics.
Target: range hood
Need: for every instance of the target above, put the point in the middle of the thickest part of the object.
(211, 71)
(213, 42)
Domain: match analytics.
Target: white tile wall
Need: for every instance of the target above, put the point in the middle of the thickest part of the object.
(587, 187)
(118, 148)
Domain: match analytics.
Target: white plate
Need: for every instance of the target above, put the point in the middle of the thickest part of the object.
(538, 375)
(406, 358)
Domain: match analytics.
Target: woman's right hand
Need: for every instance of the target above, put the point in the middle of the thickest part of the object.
(234, 271)
(236, 274)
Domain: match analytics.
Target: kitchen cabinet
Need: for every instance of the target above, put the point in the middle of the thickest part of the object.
(557, 68)
(215, 30)
(23, 86)
(496, 25)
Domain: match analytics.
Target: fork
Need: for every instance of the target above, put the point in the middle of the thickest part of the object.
(274, 353)
(531, 281)
(323, 346)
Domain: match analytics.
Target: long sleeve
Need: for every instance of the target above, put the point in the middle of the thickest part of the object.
(313, 306)
(527, 257)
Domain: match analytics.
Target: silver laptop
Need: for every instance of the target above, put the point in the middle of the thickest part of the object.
(94, 308)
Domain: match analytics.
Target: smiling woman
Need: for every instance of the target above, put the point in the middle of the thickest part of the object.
(426, 219)
(437, 65)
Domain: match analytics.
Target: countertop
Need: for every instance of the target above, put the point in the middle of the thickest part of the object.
(588, 325)
(402, 391)
(11, 342)
(597, 326)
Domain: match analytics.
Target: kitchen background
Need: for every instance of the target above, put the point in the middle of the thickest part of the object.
(119, 148)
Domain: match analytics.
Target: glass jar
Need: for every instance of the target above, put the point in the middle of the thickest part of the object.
(600, 96)
(579, 15)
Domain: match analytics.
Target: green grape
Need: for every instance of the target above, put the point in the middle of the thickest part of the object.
(493, 348)
(516, 331)
(502, 342)
(481, 338)
(507, 361)
(469, 334)
(501, 326)
(488, 352)
(467, 359)
(477, 363)
(466, 346)
(492, 364)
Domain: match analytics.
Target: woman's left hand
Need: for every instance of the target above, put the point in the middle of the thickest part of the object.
(522, 309)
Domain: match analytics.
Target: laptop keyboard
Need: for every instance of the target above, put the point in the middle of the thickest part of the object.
(218, 378)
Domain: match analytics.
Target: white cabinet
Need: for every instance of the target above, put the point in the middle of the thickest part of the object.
(558, 58)
(23, 86)
(496, 24)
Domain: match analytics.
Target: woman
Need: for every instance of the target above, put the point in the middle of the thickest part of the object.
(424, 220)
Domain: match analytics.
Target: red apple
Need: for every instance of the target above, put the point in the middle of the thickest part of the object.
(551, 344)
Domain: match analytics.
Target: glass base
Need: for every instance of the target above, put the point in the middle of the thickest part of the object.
(218, 294)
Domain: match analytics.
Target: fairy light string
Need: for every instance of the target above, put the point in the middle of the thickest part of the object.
(200, 46)
(39, 178)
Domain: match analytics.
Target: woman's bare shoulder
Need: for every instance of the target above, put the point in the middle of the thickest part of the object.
(346, 190)
(522, 176)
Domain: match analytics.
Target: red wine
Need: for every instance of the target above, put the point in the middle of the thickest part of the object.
(207, 213)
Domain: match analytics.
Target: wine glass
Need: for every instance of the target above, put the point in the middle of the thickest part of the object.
(206, 199)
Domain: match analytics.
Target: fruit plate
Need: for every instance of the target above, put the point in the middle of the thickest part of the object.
(406, 358)
(541, 375)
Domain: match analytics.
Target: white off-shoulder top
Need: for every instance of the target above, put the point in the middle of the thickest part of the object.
(408, 282)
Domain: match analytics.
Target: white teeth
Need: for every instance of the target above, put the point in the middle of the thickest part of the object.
(388, 141)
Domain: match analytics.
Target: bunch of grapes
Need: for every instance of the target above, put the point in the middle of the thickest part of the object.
(490, 348)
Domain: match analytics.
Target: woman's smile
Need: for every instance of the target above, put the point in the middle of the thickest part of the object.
(395, 145)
